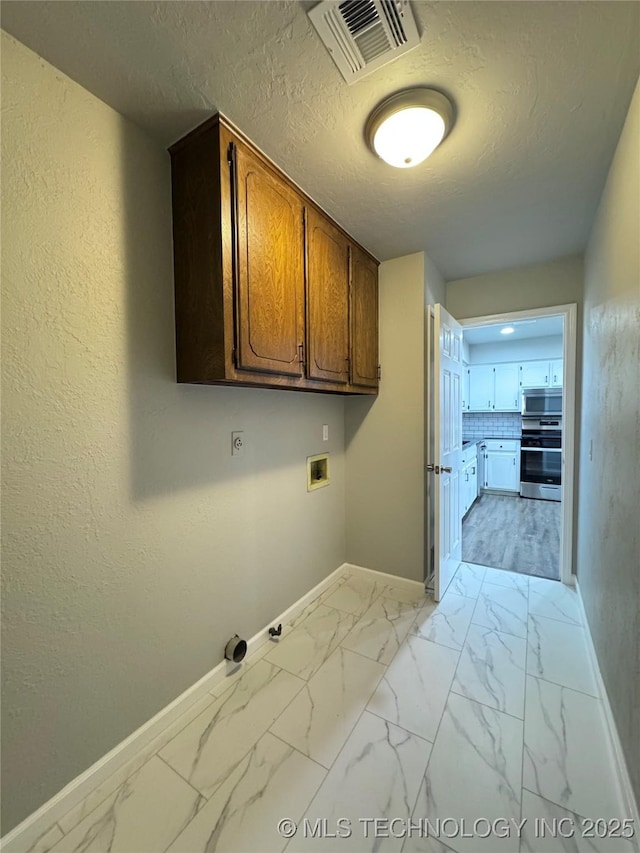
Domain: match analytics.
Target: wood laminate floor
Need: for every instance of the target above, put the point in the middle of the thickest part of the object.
(514, 533)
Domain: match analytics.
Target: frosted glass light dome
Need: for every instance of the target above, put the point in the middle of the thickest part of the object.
(407, 127)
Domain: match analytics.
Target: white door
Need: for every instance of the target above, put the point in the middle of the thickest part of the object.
(445, 467)
(481, 387)
(507, 389)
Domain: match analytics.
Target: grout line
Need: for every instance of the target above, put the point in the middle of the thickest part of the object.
(187, 782)
(564, 686)
(484, 704)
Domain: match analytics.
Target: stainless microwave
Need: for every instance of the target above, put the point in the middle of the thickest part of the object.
(538, 402)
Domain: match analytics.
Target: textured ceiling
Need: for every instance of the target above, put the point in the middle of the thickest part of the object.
(541, 91)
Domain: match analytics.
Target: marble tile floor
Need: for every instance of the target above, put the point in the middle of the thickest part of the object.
(377, 703)
(513, 533)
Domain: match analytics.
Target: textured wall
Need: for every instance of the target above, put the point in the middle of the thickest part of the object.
(133, 545)
(609, 540)
(385, 437)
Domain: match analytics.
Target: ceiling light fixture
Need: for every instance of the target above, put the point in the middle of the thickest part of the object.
(406, 128)
(508, 330)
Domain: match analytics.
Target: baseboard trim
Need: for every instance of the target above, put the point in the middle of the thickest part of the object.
(22, 837)
(624, 779)
(392, 579)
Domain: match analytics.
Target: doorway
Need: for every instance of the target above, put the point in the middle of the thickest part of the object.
(516, 469)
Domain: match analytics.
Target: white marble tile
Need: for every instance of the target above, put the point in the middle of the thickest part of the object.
(552, 829)
(554, 600)
(377, 774)
(143, 815)
(234, 671)
(446, 622)
(418, 842)
(272, 782)
(491, 670)
(303, 650)
(320, 718)
(209, 748)
(474, 772)
(408, 594)
(356, 594)
(46, 841)
(380, 631)
(467, 580)
(567, 758)
(101, 792)
(502, 577)
(414, 689)
(502, 608)
(558, 652)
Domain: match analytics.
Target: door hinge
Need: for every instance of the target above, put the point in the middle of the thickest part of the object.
(379, 372)
(234, 356)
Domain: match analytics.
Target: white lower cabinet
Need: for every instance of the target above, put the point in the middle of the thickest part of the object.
(469, 481)
(502, 465)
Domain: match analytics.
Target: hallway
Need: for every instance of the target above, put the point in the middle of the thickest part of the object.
(377, 703)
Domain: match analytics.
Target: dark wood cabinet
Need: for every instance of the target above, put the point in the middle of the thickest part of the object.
(269, 268)
(364, 320)
(327, 300)
(269, 290)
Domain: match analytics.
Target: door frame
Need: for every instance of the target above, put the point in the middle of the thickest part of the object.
(569, 313)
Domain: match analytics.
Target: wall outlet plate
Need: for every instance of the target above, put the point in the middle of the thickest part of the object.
(237, 443)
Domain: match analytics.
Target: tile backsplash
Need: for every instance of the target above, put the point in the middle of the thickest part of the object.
(490, 424)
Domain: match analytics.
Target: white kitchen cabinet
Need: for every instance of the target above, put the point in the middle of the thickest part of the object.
(507, 388)
(481, 388)
(502, 465)
(469, 479)
(535, 374)
(556, 369)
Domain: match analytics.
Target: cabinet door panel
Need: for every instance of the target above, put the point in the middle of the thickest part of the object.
(364, 320)
(507, 389)
(481, 382)
(327, 300)
(557, 368)
(269, 270)
(535, 374)
(502, 471)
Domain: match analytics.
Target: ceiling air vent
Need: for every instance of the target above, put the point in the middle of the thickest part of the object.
(364, 35)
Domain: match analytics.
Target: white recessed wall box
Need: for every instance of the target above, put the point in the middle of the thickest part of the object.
(364, 35)
(317, 471)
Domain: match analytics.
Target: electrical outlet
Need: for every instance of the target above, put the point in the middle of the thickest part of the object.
(325, 432)
(237, 443)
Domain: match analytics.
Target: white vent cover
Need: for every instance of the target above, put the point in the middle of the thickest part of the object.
(364, 35)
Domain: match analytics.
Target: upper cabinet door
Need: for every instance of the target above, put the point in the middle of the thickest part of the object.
(364, 320)
(269, 268)
(481, 388)
(556, 370)
(507, 388)
(534, 374)
(327, 300)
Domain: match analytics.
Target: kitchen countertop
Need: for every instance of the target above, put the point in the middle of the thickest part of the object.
(493, 437)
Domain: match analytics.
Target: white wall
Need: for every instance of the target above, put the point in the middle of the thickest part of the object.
(527, 350)
(133, 545)
(385, 437)
(609, 538)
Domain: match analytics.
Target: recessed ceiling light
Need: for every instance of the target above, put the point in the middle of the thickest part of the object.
(407, 127)
(508, 330)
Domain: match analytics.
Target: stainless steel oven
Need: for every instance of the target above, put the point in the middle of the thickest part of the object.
(541, 458)
(542, 402)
